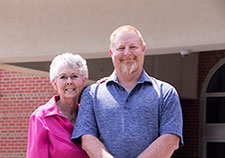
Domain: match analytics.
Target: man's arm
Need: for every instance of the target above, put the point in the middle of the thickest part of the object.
(94, 147)
(162, 147)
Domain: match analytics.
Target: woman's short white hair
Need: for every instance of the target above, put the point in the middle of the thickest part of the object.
(74, 61)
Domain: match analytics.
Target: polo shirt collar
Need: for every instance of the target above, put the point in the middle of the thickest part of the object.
(143, 78)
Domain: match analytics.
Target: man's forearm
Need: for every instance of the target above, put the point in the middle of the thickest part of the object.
(94, 147)
(162, 147)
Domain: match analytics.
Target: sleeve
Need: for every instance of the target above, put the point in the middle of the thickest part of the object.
(86, 121)
(171, 119)
(37, 139)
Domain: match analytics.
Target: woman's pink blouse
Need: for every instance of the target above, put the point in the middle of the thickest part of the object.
(50, 133)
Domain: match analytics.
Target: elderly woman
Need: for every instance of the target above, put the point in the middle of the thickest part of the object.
(51, 125)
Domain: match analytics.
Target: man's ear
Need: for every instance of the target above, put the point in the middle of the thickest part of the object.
(143, 48)
(54, 84)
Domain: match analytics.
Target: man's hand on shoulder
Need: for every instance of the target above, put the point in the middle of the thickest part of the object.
(102, 80)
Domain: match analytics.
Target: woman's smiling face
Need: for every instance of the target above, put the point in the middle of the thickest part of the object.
(68, 83)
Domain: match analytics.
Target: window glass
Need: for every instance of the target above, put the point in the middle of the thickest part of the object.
(217, 82)
(215, 110)
(215, 150)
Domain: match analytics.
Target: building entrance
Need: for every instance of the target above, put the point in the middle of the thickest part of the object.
(214, 114)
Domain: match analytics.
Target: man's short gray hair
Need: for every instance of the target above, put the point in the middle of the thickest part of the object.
(123, 29)
(76, 62)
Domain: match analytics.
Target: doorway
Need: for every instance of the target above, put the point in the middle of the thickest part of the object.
(213, 129)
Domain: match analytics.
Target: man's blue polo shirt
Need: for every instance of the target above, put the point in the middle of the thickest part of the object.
(128, 122)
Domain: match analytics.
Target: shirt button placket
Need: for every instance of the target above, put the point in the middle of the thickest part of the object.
(126, 107)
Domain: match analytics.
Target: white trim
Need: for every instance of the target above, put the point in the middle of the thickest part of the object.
(211, 73)
(24, 70)
(215, 94)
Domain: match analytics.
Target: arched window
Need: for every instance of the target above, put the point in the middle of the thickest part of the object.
(214, 113)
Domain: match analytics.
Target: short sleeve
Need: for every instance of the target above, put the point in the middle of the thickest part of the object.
(37, 138)
(171, 119)
(85, 122)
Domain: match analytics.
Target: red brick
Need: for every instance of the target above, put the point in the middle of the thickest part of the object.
(20, 96)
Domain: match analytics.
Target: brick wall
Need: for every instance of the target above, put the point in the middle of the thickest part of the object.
(20, 94)
(191, 148)
(191, 108)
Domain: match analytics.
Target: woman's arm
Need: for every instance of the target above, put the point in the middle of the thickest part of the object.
(37, 139)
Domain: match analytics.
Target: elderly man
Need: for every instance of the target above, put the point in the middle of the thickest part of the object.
(131, 114)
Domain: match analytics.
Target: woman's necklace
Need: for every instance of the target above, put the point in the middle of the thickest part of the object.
(69, 114)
